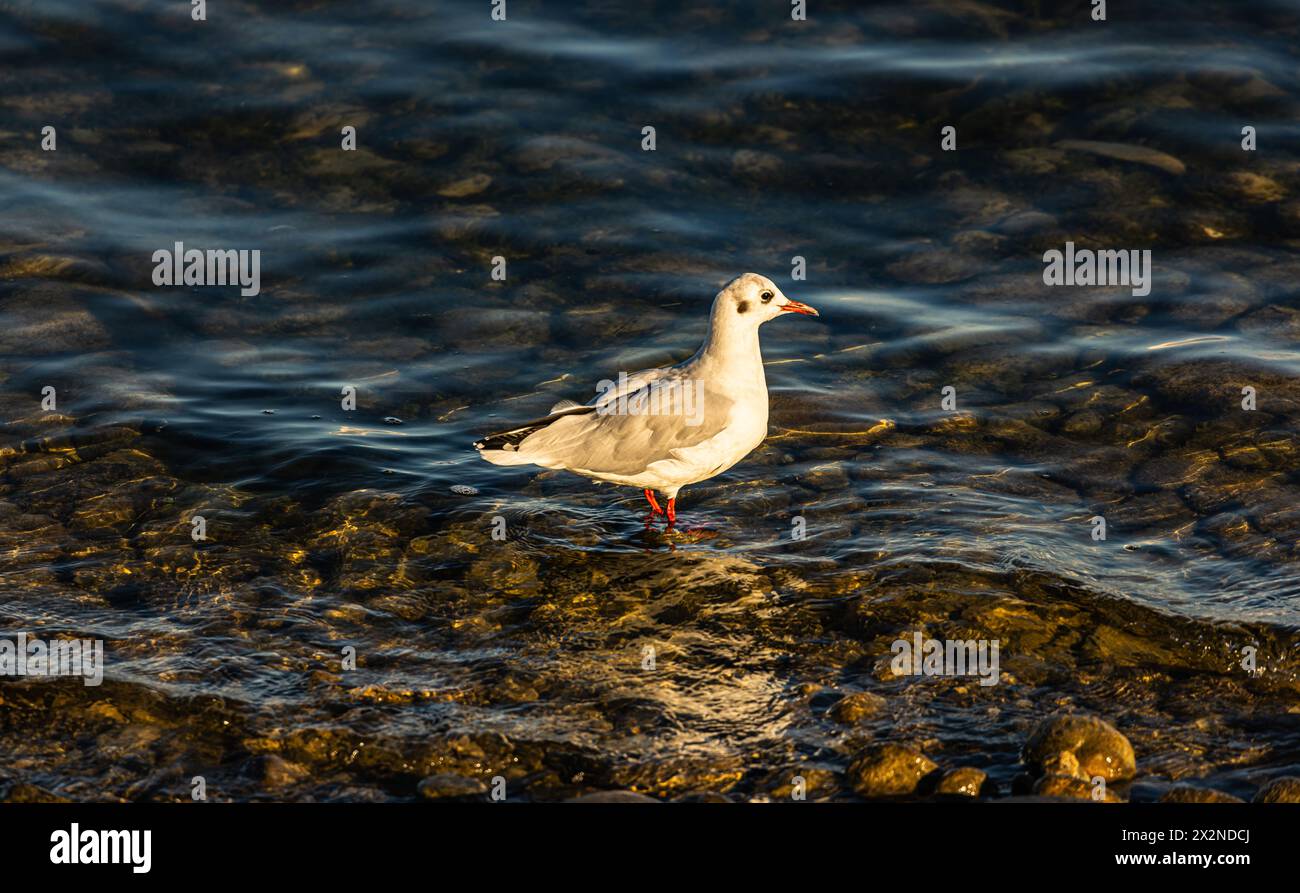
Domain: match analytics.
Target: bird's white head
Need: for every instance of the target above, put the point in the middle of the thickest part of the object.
(752, 300)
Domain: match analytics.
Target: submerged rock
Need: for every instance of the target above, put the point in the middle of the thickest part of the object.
(450, 786)
(1188, 794)
(1279, 790)
(276, 772)
(471, 185)
(49, 318)
(1255, 188)
(816, 783)
(1074, 788)
(22, 792)
(831, 476)
(1127, 152)
(1095, 746)
(858, 706)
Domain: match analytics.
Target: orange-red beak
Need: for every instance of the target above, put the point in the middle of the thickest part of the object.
(796, 307)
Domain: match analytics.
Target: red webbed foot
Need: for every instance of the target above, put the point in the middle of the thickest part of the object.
(654, 504)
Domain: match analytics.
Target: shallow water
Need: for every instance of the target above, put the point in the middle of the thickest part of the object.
(525, 658)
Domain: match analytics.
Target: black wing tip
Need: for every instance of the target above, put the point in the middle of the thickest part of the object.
(505, 440)
(510, 440)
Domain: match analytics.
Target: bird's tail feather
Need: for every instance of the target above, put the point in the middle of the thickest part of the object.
(508, 441)
(507, 457)
(503, 447)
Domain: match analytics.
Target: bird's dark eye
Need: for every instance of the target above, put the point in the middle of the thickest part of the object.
(766, 296)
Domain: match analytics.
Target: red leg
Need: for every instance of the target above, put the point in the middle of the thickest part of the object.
(672, 511)
(654, 505)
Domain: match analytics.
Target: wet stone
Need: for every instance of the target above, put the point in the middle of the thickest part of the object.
(276, 772)
(1225, 488)
(48, 319)
(22, 792)
(1175, 470)
(1097, 747)
(1074, 788)
(1064, 763)
(1252, 187)
(466, 222)
(888, 770)
(468, 186)
(542, 153)
(1119, 646)
(1163, 511)
(1084, 423)
(1279, 790)
(1188, 794)
(854, 708)
(450, 786)
(816, 783)
(977, 206)
(831, 476)
(1127, 152)
(966, 781)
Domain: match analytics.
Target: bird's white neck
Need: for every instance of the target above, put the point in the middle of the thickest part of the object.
(733, 352)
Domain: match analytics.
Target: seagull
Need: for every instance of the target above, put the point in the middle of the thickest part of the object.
(662, 429)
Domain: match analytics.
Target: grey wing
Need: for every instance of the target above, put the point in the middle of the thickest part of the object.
(657, 412)
(512, 439)
(612, 390)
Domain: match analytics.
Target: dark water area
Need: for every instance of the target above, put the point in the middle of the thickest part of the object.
(525, 658)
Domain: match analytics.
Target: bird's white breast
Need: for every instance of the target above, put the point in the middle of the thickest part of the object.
(745, 429)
